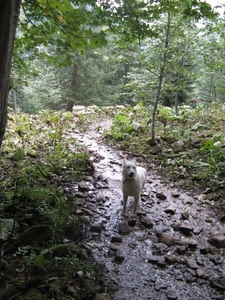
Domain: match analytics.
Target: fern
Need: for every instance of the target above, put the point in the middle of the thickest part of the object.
(10, 228)
(32, 295)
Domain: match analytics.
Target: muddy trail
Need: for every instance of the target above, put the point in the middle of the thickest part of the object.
(173, 249)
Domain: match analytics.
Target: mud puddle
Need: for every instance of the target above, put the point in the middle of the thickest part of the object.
(174, 249)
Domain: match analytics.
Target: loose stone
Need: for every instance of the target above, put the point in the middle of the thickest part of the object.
(172, 296)
(154, 259)
(87, 211)
(161, 196)
(116, 239)
(96, 228)
(113, 247)
(192, 243)
(166, 238)
(124, 228)
(176, 226)
(197, 230)
(119, 258)
(132, 222)
(200, 273)
(170, 210)
(185, 215)
(217, 241)
(181, 249)
(218, 283)
(146, 222)
(83, 186)
(191, 263)
(175, 194)
(85, 219)
(79, 195)
(185, 229)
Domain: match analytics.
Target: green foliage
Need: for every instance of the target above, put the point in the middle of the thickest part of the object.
(124, 125)
(98, 77)
(51, 33)
(95, 78)
(39, 225)
(83, 164)
(166, 113)
(10, 228)
(127, 123)
(199, 160)
(33, 294)
(144, 63)
(122, 71)
(129, 129)
(42, 92)
(18, 155)
(215, 157)
(132, 21)
(66, 24)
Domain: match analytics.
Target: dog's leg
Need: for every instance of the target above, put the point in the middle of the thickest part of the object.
(124, 203)
(136, 200)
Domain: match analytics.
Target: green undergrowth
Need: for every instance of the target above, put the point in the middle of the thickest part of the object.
(40, 233)
(190, 148)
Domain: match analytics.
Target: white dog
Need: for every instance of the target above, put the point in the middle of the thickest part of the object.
(133, 181)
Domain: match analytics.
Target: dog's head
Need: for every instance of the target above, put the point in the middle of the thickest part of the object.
(129, 169)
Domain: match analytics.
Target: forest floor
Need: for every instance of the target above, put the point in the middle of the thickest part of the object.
(62, 235)
(175, 247)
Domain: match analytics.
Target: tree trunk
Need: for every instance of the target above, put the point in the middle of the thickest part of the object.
(161, 77)
(74, 85)
(181, 67)
(177, 93)
(70, 105)
(153, 138)
(9, 14)
(15, 106)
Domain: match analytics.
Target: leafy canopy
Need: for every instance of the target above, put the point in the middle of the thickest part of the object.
(132, 18)
(69, 24)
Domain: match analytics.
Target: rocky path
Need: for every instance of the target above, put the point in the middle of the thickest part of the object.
(174, 249)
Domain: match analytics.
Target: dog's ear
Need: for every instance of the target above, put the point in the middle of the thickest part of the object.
(124, 161)
(135, 161)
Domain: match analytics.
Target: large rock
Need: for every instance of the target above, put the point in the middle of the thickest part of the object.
(218, 283)
(166, 238)
(217, 240)
(186, 229)
(191, 263)
(96, 228)
(146, 222)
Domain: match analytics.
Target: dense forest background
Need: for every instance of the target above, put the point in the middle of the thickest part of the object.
(49, 74)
